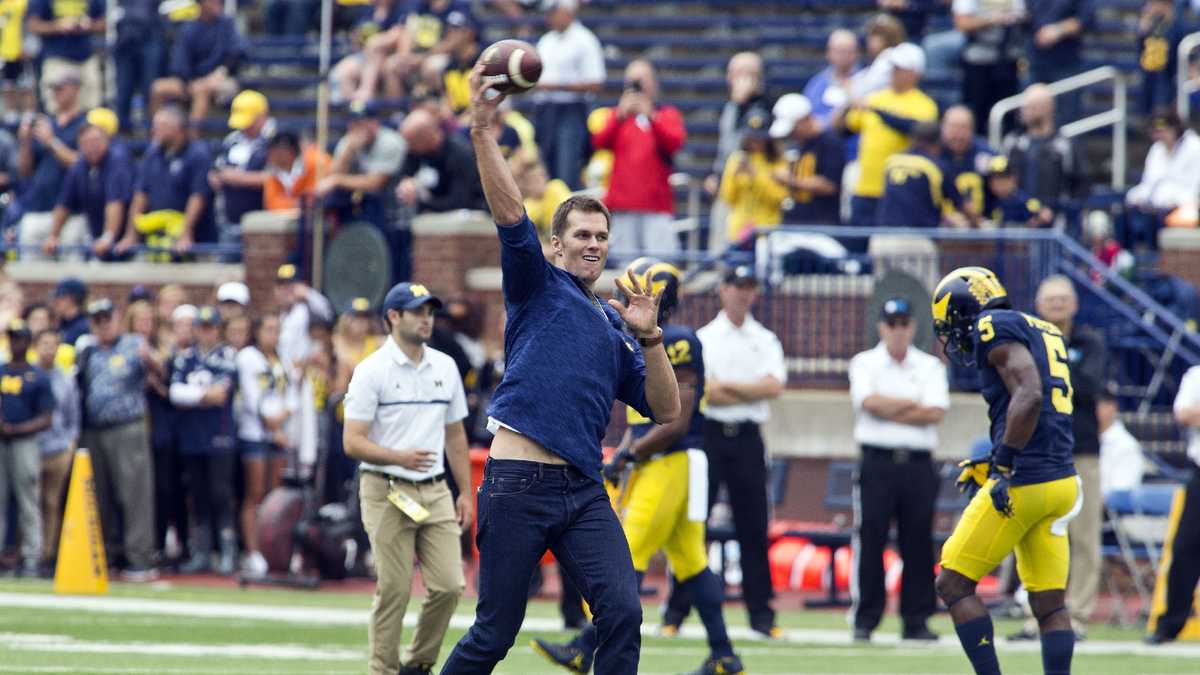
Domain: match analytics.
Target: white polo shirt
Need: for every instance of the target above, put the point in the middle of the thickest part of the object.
(408, 404)
(573, 56)
(739, 354)
(1188, 396)
(920, 377)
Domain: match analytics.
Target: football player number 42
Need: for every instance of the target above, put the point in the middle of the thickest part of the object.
(1056, 356)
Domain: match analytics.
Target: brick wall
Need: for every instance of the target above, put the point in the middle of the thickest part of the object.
(116, 280)
(268, 239)
(446, 246)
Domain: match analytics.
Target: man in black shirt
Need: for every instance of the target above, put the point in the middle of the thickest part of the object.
(439, 171)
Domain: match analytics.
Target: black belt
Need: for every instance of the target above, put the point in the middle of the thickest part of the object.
(112, 425)
(732, 429)
(896, 455)
(424, 481)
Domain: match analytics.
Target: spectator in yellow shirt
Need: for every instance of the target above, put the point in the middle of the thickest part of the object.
(748, 184)
(884, 120)
(12, 54)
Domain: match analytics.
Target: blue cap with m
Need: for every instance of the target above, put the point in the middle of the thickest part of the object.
(406, 295)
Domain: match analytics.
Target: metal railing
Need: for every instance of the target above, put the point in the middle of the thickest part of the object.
(824, 317)
(1116, 116)
(1184, 84)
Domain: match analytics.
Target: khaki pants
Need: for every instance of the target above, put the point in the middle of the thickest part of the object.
(395, 540)
(1084, 531)
(124, 475)
(56, 469)
(90, 86)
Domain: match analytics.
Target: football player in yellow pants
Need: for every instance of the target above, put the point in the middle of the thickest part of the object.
(1026, 494)
(662, 507)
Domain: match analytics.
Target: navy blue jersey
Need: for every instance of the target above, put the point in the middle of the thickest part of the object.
(685, 353)
(915, 191)
(206, 429)
(966, 172)
(24, 393)
(1016, 209)
(1047, 455)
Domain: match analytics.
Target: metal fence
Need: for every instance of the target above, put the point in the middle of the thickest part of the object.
(824, 315)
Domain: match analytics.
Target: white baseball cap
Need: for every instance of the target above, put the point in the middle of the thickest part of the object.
(184, 312)
(234, 291)
(907, 56)
(788, 110)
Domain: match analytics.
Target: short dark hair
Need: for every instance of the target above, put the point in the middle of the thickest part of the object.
(284, 139)
(46, 331)
(1165, 116)
(582, 203)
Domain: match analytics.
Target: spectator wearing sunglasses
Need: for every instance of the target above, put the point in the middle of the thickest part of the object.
(900, 394)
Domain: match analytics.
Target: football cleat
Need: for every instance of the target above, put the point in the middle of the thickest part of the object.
(726, 665)
(568, 656)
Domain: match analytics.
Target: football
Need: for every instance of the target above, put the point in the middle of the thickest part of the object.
(511, 66)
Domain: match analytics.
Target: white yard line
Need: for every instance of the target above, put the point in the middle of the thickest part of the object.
(357, 617)
(60, 644)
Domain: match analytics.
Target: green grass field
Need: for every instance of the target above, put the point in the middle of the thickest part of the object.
(165, 629)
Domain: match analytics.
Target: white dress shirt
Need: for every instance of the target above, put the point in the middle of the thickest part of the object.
(919, 377)
(1188, 396)
(408, 404)
(1121, 460)
(573, 56)
(740, 354)
(1171, 176)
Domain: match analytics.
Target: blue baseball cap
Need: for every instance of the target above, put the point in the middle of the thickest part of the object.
(207, 316)
(895, 308)
(72, 287)
(407, 295)
(740, 275)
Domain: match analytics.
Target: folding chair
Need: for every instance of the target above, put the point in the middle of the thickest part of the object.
(1134, 534)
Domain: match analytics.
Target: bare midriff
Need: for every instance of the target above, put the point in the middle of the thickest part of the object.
(510, 445)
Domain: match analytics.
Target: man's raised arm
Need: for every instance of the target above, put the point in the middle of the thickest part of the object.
(499, 186)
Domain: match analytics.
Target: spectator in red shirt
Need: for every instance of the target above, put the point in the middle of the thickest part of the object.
(643, 136)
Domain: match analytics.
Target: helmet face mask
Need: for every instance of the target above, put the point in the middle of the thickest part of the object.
(958, 301)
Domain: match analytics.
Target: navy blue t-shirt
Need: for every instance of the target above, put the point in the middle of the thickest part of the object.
(210, 429)
(685, 352)
(1047, 455)
(915, 191)
(825, 156)
(89, 189)
(567, 356)
(73, 47)
(428, 25)
(1045, 12)
(41, 192)
(24, 393)
(169, 180)
(201, 47)
(369, 24)
(1018, 208)
(966, 172)
(247, 154)
(72, 329)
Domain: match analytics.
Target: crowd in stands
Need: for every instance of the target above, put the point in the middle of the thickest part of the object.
(854, 137)
(178, 404)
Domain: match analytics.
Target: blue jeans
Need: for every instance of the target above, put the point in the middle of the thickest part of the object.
(862, 214)
(563, 139)
(138, 63)
(524, 509)
(291, 17)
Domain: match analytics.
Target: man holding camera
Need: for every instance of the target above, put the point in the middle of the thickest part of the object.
(643, 137)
